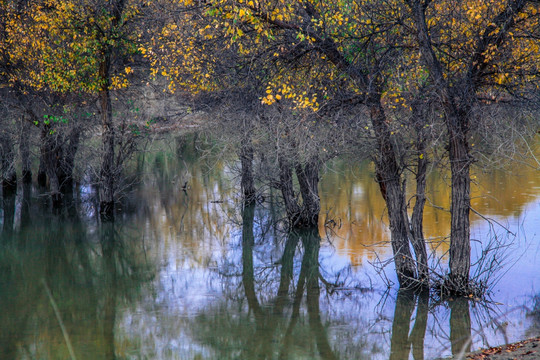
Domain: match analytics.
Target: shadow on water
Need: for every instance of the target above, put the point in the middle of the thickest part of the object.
(63, 282)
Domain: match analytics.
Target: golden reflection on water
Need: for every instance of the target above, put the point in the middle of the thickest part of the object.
(351, 198)
(199, 221)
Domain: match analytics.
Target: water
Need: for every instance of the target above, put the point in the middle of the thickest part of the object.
(189, 275)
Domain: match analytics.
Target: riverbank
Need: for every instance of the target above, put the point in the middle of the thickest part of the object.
(527, 349)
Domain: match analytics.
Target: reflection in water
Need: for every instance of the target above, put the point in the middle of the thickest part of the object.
(352, 198)
(460, 326)
(402, 341)
(183, 274)
(87, 273)
(279, 313)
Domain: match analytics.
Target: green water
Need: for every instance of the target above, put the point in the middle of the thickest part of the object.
(185, 273)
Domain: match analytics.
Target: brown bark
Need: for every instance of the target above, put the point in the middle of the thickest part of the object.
(460, 247)
(49, 163)
(286, 187)
(67, 161)
(389, 177)
(417, 228)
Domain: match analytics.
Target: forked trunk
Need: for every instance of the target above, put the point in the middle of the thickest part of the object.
(389, 178)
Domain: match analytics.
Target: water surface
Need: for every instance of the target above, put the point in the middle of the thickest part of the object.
(185, 273)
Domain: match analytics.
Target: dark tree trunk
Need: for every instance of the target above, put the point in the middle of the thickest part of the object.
(460, 247)
(50, 162)
(107, 173)
(248, 275)
(109, 246)
(460, 327)
(287, 190)
(388, 174)
(8, 207)
(25, 205)
(311, 241)
(417, 218)
(286, 274)
(400, 345)
(418, 332)
(247, 181)
(67, 163)
(42, 173)
(308, 179)
(9, 175)
(24, 149)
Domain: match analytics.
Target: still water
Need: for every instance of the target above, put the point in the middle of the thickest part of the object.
(185, 273)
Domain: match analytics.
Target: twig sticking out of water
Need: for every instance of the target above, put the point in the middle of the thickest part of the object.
(59, 318)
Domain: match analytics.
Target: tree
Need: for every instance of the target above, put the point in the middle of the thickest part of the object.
(473, 52)
(310, 55)
(81, 48)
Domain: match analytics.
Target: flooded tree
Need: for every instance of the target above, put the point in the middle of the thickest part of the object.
(483, 47)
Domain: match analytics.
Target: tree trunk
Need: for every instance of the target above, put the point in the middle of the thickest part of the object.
(389, 177)
(24, 148)
(246, 159)
(108, 170)
(107, 173)
(67, 164)
(49, 161)
(417, 218)
(287, 190)
(9, 175)
(308, 178)
(460, 247)
(42, 173)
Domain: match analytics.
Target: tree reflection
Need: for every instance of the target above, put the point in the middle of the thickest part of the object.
(89, 275)
(273, 323)
(401, 339)
(460, 326)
